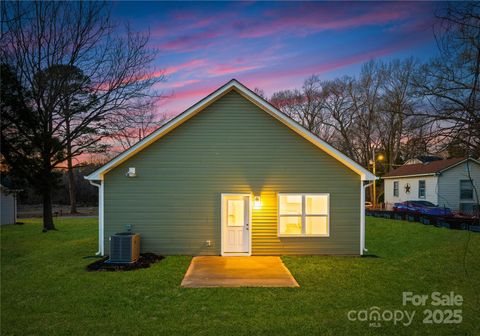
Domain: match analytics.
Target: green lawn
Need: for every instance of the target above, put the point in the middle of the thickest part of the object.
(45, 289)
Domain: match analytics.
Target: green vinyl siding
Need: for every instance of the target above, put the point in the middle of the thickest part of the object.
(230, 147)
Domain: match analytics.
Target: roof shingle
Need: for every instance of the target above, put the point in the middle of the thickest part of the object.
(423, 168)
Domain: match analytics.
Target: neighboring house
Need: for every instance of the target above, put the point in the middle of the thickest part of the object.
(232, 175)
(8, 200)
(443, 182)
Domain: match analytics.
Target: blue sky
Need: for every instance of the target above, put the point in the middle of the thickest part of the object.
(273, 45)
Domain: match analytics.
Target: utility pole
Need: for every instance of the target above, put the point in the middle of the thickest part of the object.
(373, 162)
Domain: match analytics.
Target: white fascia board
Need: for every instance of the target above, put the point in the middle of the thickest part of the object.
(251, 96)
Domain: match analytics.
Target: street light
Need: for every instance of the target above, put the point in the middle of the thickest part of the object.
(373, 162)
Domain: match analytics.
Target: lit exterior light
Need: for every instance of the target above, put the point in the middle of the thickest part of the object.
(131, 172)
(257, 202)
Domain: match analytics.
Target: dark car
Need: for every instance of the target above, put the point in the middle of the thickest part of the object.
(422, 208)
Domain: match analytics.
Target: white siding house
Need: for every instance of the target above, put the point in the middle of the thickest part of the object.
(408, 189)
(455, 188)
(444, 182)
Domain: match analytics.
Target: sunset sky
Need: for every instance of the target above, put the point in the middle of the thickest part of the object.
(273, 45)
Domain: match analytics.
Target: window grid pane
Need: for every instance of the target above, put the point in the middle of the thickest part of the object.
(290, 225)
(395, 188)
(291, 204)
(316, 204)
(466, 190)
(421, 189)
(316, 225)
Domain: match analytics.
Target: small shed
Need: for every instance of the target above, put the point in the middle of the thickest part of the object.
(8, 200)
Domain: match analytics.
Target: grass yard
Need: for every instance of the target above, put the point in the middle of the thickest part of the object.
(45, 289)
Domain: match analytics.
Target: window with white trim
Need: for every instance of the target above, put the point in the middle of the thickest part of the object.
(303, 215)
(466, 190)
(395, 188)
(421, 188)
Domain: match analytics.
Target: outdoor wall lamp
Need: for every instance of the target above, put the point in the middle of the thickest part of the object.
(131, 172)
(257, 202)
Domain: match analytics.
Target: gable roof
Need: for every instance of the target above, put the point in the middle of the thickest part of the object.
(211, 98)
(429, 168)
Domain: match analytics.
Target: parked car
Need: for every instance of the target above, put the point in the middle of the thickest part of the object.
(422, 208)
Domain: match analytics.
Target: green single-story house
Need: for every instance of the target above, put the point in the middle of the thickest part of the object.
(233, 175)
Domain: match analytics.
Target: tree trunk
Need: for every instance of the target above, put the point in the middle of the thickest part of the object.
(71, 174)
(72, 187)
(47, 208)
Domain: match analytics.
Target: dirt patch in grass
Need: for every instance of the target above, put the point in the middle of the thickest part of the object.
(145, 260)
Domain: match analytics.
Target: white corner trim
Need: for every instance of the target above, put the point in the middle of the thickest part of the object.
(101, 232)
(362, 215)
(252, 97)
(362, 218)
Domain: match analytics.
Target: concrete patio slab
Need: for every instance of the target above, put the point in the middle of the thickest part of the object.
(238, 272)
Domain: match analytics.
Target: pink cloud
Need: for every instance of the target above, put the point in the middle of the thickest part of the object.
(182, 22)
(413, 26)
(177, 84)
(196, 93)
(191, 41)
(183, 66)
(173, 69)
(224, 70)
(274, 79)
(182, 99)
(185, 83)
(306, 20)
(279, 79)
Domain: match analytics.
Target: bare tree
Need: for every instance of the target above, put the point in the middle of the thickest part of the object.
(340, 114)
(128, 129)
(115, 63)
(417, 142)
(367, 97)
(260, 92)
(395, 121)
(306, 106)
(68, 84)
(449, 83)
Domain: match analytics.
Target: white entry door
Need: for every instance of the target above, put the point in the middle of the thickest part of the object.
(236, 224)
